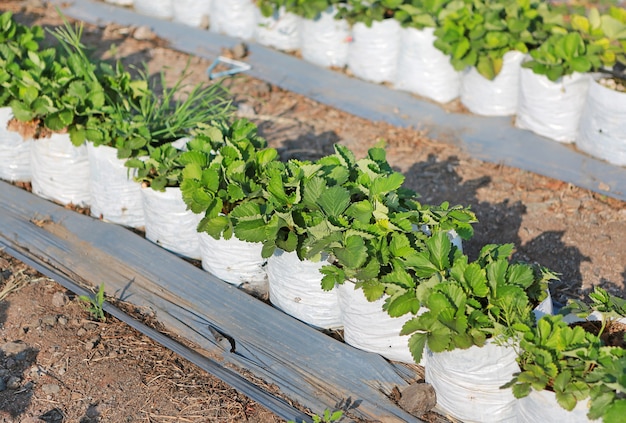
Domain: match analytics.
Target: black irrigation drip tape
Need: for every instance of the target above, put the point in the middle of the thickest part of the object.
(254, 392)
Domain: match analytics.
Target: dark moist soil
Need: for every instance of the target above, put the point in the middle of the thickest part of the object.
(56, 365)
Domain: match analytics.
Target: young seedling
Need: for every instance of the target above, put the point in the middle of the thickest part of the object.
(94, 305)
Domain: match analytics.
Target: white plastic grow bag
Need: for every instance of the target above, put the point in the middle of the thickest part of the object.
(325, 40)
(162, 9)
(541, 406)
(295, 288)
(234, 261)
(423, 69)
(120, 2)
(551, 109)
(191, 12)
(14, 151)
(368, 327)
(467, 382)
(60, 170)
(168, 223)
(373, 53)
(236, 18)
(498, 97)
(281, 30)
(602, 131)
(114, 195)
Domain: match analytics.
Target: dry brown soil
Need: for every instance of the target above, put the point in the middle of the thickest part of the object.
(56, 365)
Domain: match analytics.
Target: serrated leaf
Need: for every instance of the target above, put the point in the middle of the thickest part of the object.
(334, 201)
(417, 343)
(397, 306)
(353, 254)
(439, 247)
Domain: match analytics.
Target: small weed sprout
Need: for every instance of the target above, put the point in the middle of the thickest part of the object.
(327, 417)
(94, 304)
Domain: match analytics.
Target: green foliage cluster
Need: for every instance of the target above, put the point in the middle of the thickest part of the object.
(308, 9)
(574, 363)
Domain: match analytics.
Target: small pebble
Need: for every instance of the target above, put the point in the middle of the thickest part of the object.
(59, 299)
(50, 388)
(14, 382)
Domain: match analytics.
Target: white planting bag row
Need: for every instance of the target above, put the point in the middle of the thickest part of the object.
(423, 69)
(281, 30)
(497, 97)
(168, 223)
(373, 53)
(114, 195)
(551, 109)
(602, 131)
(234, 261)
(325, 40)
(60, 170)
(14, 151)
(295, 288)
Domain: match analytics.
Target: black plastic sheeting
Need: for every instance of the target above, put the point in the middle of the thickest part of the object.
(492, 139)
(307, 366)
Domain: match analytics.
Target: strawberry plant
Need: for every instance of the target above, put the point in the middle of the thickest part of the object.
(589, 44)
(308, 9)
(222, 179)
(367, 12)
(420, 13)
(469, 302)
(573, 362)
(480, 33)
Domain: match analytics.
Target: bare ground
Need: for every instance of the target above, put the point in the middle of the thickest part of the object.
(122, 376)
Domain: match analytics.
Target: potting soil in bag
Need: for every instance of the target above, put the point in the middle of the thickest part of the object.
(373, 53)
(234, 261)
(368, 327)
(325, 40)
(423, 69)
(191, 12)
(467, 382)
(60, 170)
(168, 223)
(156, 8)
(236, 18)
(281, 30)
(602, 131)
(295, 288)
(14, 151)
(541, 406)
(497, 97)
(551, 109)
(115, 196)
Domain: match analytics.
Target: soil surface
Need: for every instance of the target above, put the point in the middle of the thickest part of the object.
(57, 365)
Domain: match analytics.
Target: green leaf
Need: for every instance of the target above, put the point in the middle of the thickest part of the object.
(385, 184)
(250, 230)
(615, 412)
(360, 211)
(334, 201)
(372, 290)
(397, 306)
(439, 246)
(477, 280)
(353, 254)
(417, 342)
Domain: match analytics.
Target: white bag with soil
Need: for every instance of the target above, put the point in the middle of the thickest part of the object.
(423, 69)
(236, 18)
(373, 53)
(191, 12)
(115, 196)
(467, 382)
(162, 9)
(325, 40)
(497, 97)
(14, 151)
(551, 109)
(602, 131)
(60, 170)
(168, 223)
(368, 327)
(234, 261)
(295, 288)
(281, 30)
(541, 406)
